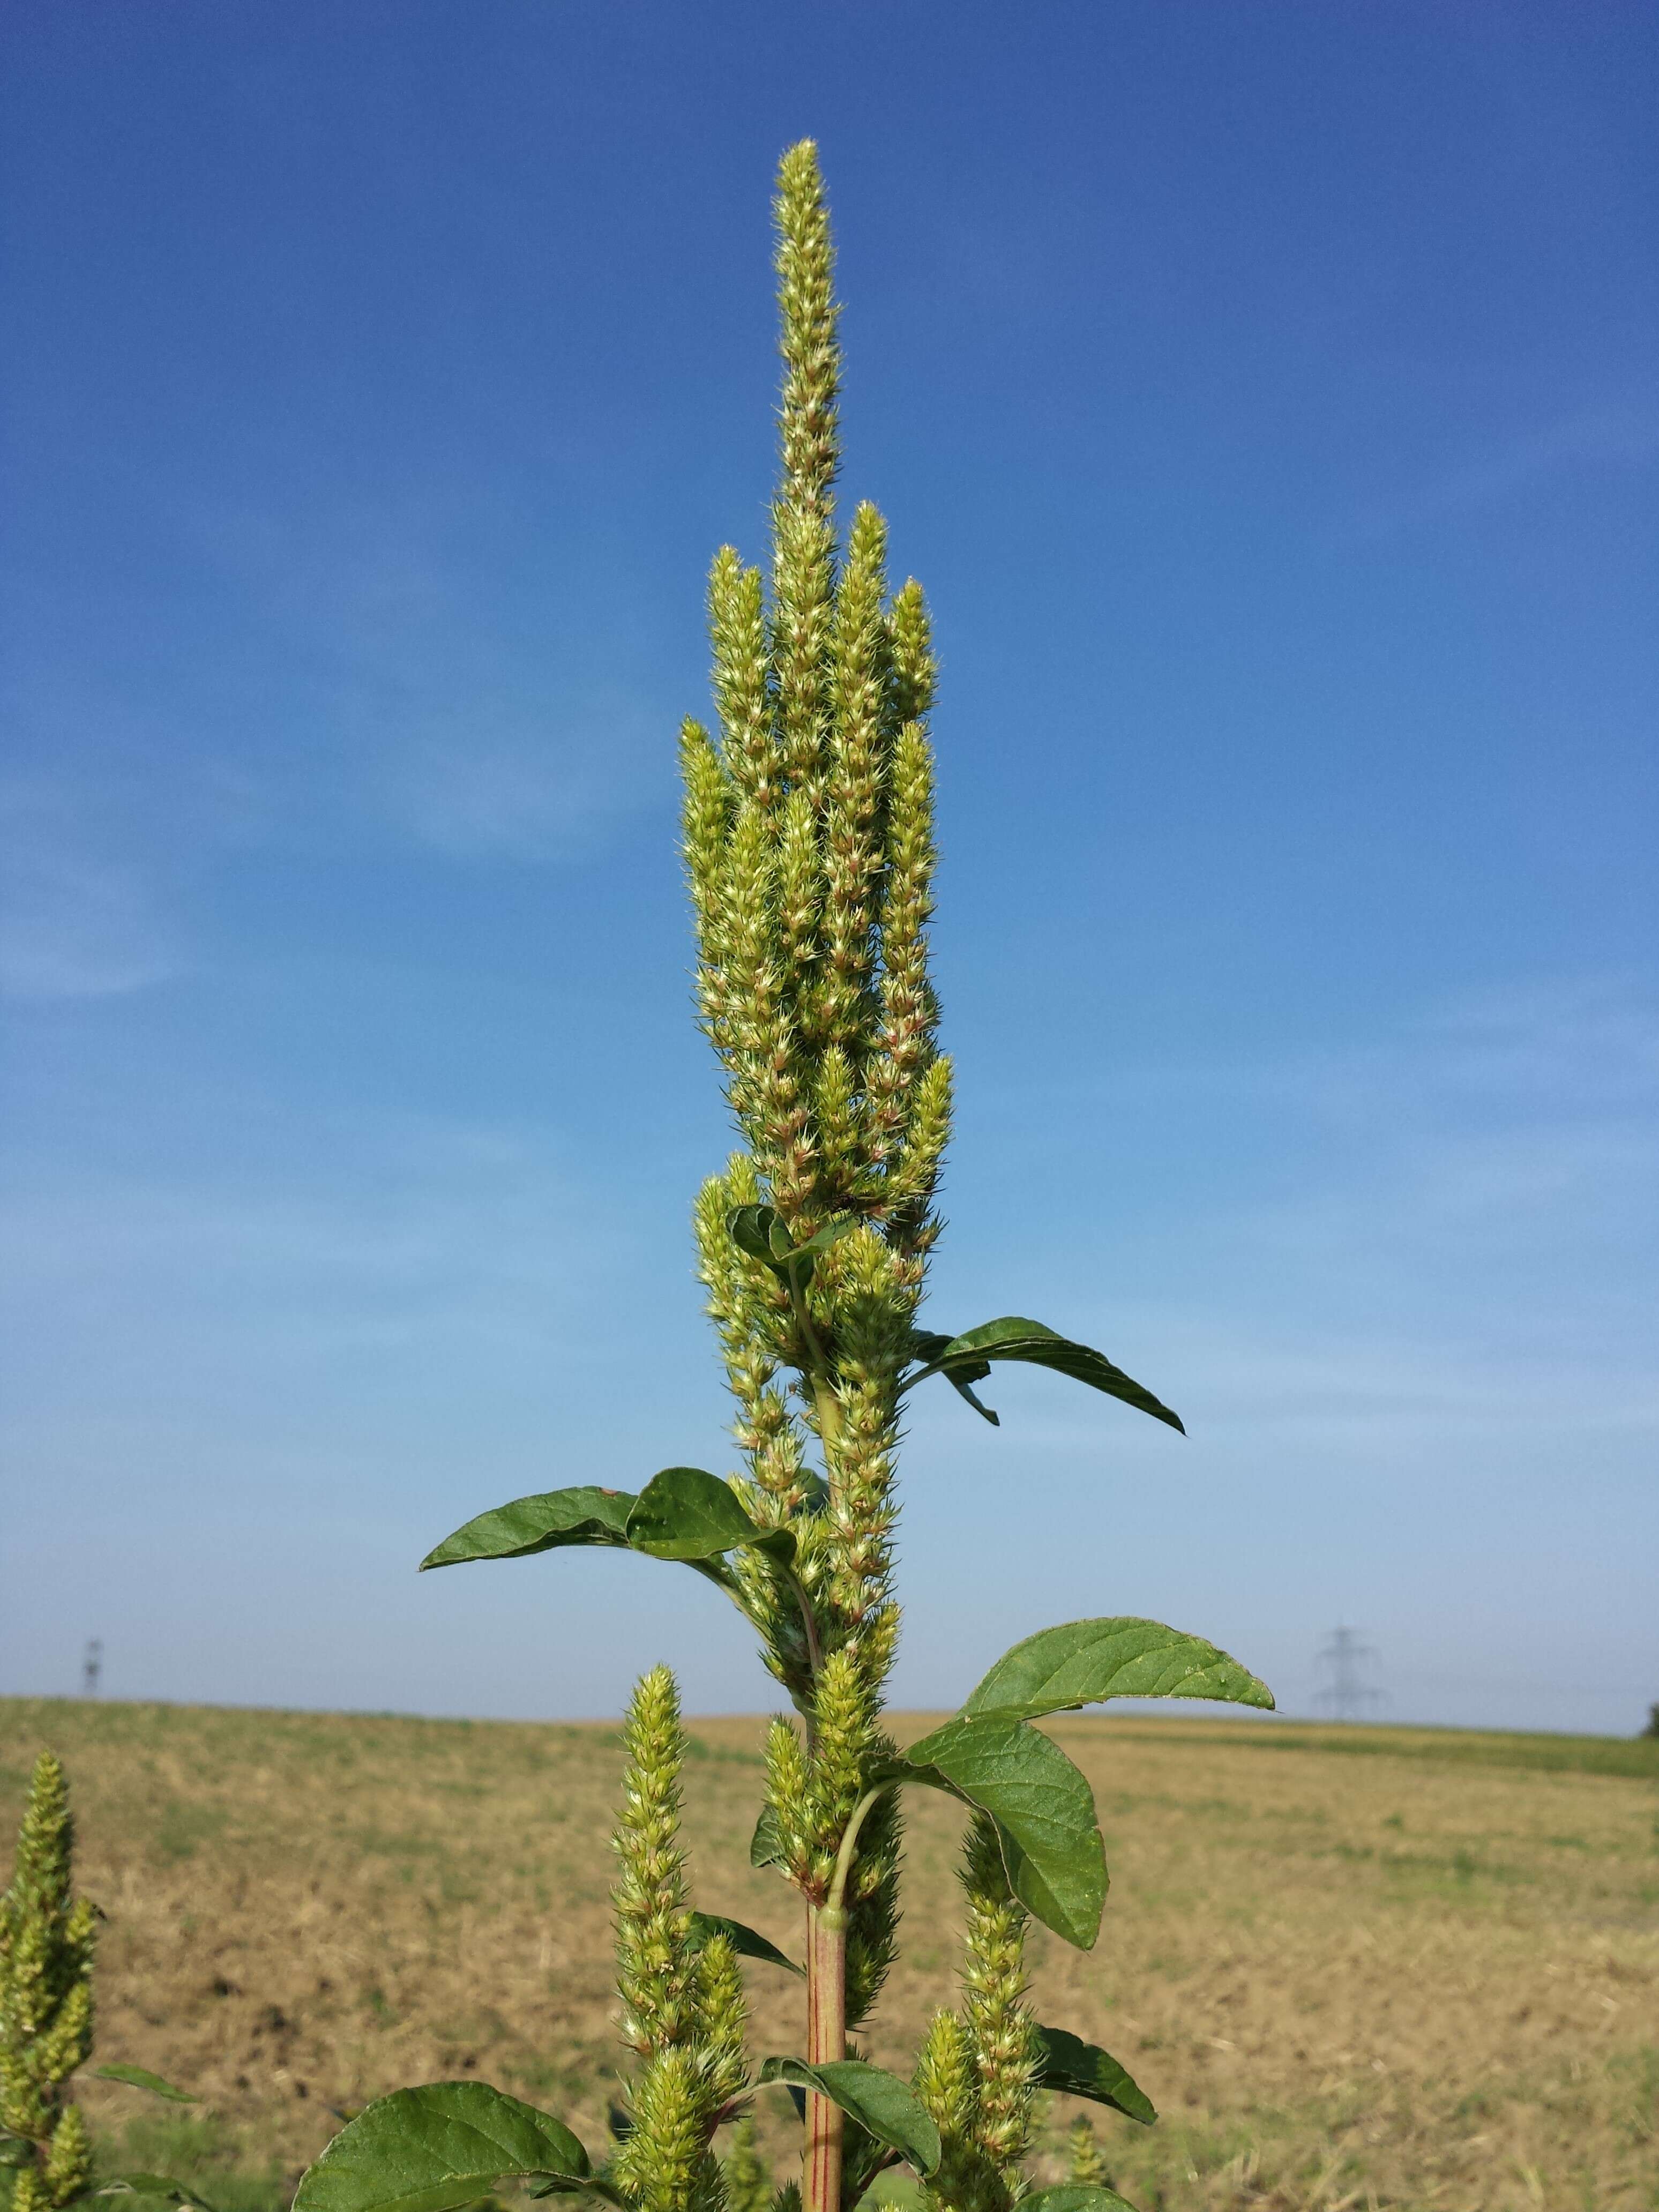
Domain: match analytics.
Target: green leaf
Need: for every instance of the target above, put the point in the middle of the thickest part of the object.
(877, 2101)
(1076, 2197)
(1084, 1662)
(752, 1228)
(147, 2200)
(685, 1513)
(545, 1523)
(962, 1384)
(593, 2185)
(747, 1942)
(153, 2189)
(822, 1239)
(926, 1345)
(435, 2149)
(760, 1231)
(766, 1845)
(1043, 1809)
(862, 2158)
(1076, 2069)
(138, 2078)
(893, 2191)
(15, 2150)
(1013, 1337)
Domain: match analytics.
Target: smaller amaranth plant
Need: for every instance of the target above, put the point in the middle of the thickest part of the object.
(47, 1939)
(808, 841)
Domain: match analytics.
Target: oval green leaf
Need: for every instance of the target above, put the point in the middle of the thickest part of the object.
(1076, 2069)
(435, 2149)
(686, 1513)
(1014, 1337)
(760, 1231)
(1043, 1809)
(150, 2192)
(766, 1845)
(881, 2103)
(822, 1239)
(747, 1942)
(893, 2191)
(753, 1230)
(593, 2185)
(926, 1344)
(543, 1523)
(153, 2189)
(1076, 2197)
(137, 2077)
(1084, 1662)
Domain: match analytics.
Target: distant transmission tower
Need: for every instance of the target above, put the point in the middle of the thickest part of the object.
(1345, 1663)
(91, 1666)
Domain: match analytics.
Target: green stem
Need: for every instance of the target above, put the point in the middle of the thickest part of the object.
(826, 2043)
(825, 1403)
(836, 1900)
(826, 2015)
(827, 1406)
(808, 1622)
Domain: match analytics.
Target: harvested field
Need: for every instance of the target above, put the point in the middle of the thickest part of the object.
(1359, 1967)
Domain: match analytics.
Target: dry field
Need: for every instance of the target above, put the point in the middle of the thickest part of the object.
(1358, 1967)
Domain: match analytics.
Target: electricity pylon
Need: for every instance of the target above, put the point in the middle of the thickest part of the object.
(1348, 1694)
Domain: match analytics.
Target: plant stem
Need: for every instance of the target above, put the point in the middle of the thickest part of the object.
(827, 1406)
(826, 2016)
(837, 1897)
(826, 2041)
(825, 1403)
(809, 1622)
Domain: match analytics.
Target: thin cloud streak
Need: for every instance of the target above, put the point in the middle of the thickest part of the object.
(429, 713)
(76, 920)
(1607, 438)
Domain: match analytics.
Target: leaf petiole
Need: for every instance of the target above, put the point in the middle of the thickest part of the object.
(835, 1900)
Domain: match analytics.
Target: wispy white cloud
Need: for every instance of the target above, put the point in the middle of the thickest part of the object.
(76, 921)
(1521, 1122)
(1607, 437)
(388, 1232)
(502, 778)
(426, 713)
(1456, 1248)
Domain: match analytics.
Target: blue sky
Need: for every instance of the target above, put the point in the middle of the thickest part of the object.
(1267, 397)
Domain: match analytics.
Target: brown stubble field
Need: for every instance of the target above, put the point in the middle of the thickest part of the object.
(1352, 1967)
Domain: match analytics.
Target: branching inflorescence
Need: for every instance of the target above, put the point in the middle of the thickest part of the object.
(808, 842)
(47, 1936)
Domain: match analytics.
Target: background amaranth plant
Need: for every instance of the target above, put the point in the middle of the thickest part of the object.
(47, 1939)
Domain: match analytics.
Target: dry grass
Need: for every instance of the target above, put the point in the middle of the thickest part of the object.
(1354, 1968)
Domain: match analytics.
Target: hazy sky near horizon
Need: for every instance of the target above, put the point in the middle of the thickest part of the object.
(1268, 398)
